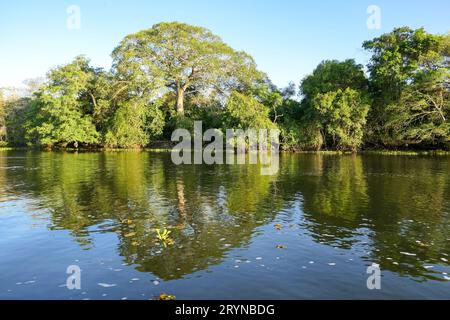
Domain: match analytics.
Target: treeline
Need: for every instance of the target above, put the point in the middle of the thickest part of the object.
(170, 75)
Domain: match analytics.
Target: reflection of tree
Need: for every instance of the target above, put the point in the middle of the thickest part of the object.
(334, 195)
(410, 212)
(398, 204)
(3, 169)
(208, 217)
(132, 193)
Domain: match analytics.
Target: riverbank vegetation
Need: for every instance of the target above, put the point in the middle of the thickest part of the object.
(173, 74)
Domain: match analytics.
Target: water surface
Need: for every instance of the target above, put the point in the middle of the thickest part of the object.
(332, 215)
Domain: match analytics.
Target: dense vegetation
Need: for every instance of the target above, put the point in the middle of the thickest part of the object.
(172, 74)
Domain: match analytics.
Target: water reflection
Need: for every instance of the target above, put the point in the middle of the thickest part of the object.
(394, 209)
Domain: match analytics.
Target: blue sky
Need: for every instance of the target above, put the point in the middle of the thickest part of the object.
(287, 38)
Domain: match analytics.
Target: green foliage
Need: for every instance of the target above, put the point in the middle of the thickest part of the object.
(409, 73)
(422, 114)
(244, 112)
(59, 115)
(18, 111)
(166, 77)
(128, 126)
(2, 118)
(335, 105)
(332, 75)
(211, 116)
(183, 59)
(270, 97)
(342, 115)
(299, 136)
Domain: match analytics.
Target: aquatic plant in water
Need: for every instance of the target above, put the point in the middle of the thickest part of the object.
(163, 236)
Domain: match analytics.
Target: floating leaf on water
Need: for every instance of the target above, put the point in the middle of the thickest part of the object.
(107, 285)
(131, 234)
(166, 297)
(408, 254)
(278, 226)
(420, 243)
(280, 246)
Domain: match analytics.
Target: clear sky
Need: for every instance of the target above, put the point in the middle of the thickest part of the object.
(287, 38)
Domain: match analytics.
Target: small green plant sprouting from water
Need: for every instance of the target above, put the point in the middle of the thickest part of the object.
(164, 237)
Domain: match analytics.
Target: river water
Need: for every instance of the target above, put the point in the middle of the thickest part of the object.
(308, 232)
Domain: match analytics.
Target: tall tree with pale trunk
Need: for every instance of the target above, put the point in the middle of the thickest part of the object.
(183, 59)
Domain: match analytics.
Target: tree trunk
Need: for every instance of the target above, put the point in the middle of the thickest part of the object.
(180, 101)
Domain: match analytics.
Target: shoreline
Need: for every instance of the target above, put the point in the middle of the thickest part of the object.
(321, 152)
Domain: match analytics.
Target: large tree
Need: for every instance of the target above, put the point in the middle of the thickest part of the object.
(184, 59)
(335, 104)
(331, 75)
(342, 116)
(409, 76)
(60, 114)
